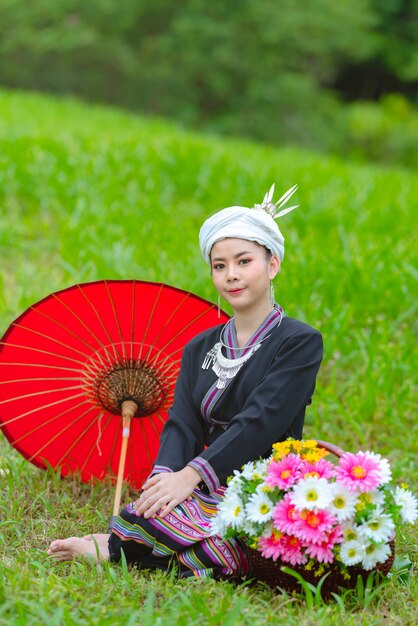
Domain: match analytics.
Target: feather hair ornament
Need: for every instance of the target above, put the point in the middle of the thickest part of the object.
(270, 207)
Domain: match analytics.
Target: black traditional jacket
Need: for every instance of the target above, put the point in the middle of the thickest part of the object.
(264, 403)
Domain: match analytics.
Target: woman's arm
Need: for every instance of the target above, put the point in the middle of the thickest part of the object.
(269, 411)
(182, 438)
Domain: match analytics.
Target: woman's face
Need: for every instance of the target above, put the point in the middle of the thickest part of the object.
(241, 272)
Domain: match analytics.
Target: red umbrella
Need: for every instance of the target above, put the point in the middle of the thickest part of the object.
(72, 363)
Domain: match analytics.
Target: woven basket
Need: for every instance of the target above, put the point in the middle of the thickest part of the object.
(269, 571)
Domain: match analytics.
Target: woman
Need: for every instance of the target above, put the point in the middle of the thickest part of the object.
(241, 387)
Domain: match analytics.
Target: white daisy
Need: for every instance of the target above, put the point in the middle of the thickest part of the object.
(259, 507)
(268, 529)
(376, 497)
(378, 528)
(343, 502)
(384, 467)
(375, 553)
(260, 469)
(408, 503)
(350, 531)
(231, 510)
(352, 552)
(249, 528)
(218, 526)
(247, 470)
(311, 493)
(235, 483)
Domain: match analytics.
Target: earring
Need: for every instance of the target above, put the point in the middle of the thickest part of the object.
(219, 306)
(272, 294)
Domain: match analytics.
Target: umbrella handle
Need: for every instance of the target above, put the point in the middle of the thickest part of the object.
(128, 411)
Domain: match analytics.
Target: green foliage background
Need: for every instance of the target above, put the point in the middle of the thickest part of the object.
(275, 71)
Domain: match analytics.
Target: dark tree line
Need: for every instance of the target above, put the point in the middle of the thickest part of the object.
(276, 70)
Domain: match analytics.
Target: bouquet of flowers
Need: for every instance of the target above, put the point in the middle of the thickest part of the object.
(298, 507)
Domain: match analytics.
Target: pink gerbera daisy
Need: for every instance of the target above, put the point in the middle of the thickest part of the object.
(336, 535)
(320, 469)
(313, 526)
(283, 473)
(323, 551)
(292, 550)
(285, 515)
(271, 547)
(360, 472)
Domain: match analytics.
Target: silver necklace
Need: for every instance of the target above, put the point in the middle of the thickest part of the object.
(225, 368)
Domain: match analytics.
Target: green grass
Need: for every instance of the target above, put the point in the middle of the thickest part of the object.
(89, 193)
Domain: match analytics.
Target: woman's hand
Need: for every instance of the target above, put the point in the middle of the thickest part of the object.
(162, 492)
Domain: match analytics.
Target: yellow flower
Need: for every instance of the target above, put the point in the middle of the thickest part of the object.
(314, 455)
(307, 449)
(281, 449)
(279, 445)
(311, 457)
(322, 452)
(308, 457)
(310, 444)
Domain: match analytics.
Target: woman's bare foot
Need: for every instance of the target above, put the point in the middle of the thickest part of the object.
(99, 537)
(68, 549)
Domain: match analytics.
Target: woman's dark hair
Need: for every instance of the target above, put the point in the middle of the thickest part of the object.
(268, 252)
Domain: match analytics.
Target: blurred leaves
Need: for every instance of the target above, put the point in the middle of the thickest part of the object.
(261, 68)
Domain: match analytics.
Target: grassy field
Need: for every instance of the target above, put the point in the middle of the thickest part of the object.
(89, 193)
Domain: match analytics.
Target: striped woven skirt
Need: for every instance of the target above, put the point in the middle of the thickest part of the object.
(182, 539)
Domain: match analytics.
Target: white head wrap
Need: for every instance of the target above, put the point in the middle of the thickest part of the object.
(256, 224)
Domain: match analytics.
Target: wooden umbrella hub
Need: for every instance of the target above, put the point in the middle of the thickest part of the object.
(144, 376)
(141, 384)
